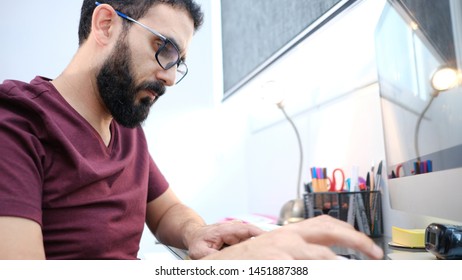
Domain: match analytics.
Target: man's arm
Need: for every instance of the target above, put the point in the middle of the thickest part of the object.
(175, 224)
(20, 239)
(171, 221)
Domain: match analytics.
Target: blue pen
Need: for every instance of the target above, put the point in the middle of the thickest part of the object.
(429, 166)
(314, 180)
(313, 173)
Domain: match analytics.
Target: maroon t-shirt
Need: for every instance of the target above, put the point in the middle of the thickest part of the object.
(89, 198)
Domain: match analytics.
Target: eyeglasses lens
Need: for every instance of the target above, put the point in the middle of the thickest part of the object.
(168, 57)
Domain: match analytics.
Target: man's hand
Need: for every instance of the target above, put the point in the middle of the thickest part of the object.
(309, 239)
(212, 238)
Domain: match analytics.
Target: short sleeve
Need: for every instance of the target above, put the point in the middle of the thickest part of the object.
(21, 158)
(157, 182)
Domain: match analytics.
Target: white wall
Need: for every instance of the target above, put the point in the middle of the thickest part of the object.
(37, 37)
(239, 156)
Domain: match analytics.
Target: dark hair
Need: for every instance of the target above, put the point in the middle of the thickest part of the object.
(135, 9)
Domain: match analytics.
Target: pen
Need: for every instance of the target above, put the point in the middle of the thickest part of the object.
(422, 167)
(368, 181)
(378, 177)
(429, 166)
(324, 179)
(314, 176)
(372, 178)
(374, 218)
(416, 167)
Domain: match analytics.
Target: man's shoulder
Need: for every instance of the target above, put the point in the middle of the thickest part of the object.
(27, 104)
(20, 89)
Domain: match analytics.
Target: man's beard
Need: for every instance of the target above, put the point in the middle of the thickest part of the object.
(118, 90)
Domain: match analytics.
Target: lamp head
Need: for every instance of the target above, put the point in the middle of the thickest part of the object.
(273, 94)
(444, 78)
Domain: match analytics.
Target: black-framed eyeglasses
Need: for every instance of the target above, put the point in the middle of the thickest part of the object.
(167, 55)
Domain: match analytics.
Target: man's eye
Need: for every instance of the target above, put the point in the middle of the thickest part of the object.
(158, 44)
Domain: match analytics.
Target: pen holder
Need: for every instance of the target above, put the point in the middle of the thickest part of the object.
(361, 209)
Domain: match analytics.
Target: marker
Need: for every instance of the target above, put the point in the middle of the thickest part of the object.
(368, 181)
(429, 166)
(314, 176)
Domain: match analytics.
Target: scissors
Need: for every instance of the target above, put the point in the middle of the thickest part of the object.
(333, 181)
(398, 169)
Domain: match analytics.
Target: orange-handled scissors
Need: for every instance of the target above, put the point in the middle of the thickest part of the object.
(333, 181)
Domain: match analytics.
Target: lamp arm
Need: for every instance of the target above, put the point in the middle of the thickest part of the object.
(417, 126)
(300, 148)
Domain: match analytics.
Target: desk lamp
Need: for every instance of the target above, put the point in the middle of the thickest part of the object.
(294, 210)
(444, 78)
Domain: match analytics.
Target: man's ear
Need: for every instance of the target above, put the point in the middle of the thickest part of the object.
(104, 27)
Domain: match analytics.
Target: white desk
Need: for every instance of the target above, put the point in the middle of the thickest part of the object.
(411, 256)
